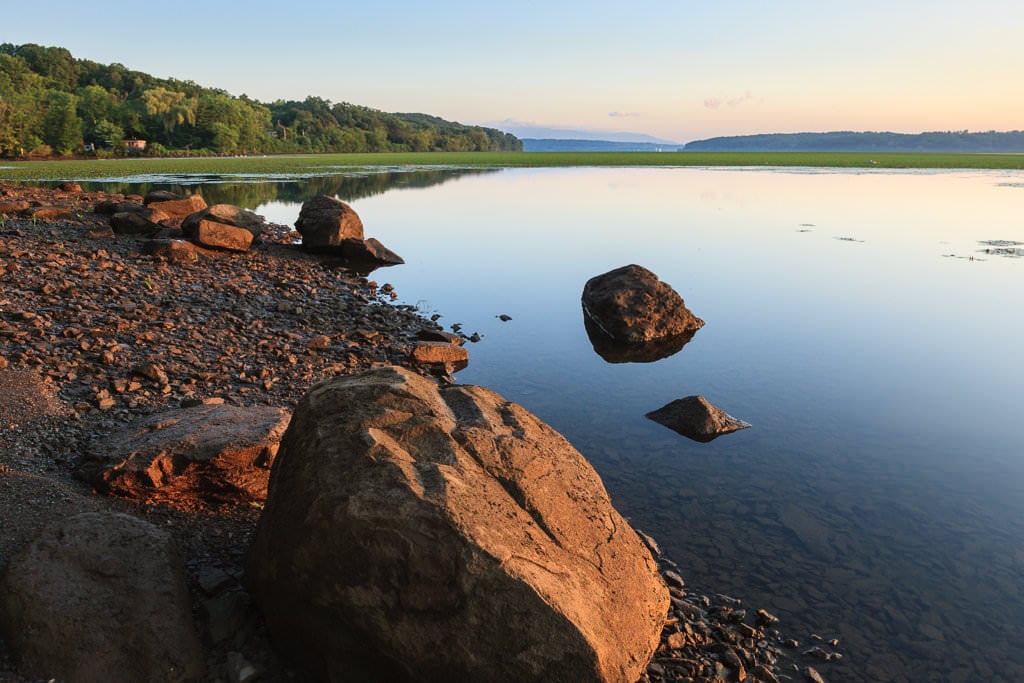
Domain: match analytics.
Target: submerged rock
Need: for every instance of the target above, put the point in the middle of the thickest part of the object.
(631, 306)
(696, 418)
(413, 532)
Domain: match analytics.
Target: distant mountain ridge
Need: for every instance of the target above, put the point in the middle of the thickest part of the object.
(535, 132)
(850, 141)
(559, 145)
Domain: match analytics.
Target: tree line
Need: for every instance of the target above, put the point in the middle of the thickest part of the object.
(961, 141)
(54, 104)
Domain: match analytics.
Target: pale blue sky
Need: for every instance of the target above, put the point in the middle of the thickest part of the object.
(675, 70)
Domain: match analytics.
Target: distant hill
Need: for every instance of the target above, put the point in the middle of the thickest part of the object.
(848, 141)
(552, 145)
(535, 132)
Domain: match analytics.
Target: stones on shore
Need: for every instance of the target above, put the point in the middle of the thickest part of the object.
(100, 597)
(694, 417)
(447, 534)
(190, 457)
(632, 316)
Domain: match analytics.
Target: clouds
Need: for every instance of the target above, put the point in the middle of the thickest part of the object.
(623, 114)
(717, 102)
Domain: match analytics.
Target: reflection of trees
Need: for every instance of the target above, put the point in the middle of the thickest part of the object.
(253, 193)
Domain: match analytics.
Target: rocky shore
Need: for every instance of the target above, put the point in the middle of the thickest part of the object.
(97, 330)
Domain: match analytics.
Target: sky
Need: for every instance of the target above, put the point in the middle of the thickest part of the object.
(676, 70)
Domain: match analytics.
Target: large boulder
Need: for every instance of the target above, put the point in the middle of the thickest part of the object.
(207, 453)
(100, 597)
(325, 222)
(631, 305)
(412, 532)
(227, 214)
(696, 418)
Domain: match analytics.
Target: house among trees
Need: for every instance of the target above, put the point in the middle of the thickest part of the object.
(134, 145)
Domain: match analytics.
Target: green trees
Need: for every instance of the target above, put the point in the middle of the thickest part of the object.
(47, 97)
(171, 108)
(62, 129)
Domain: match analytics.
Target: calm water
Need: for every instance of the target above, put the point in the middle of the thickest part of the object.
(855, 319)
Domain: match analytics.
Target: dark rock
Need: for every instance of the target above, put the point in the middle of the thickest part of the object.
(226, 615)
(439, 336)
(439, 535)
(325, 222)
(696, 418)
(151, 371)
(109, 207)
(369, 250)
(632, 306)
(161, 196)
(100, 597)
(69, 187)
(144, 222)
(188, 456)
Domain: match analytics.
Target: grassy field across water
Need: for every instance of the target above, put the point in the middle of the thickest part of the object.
(325, 164)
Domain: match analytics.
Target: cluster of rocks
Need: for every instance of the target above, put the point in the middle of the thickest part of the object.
(632, 316)
(473, 538)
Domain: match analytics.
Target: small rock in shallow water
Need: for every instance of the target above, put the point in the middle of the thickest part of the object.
(813, 676)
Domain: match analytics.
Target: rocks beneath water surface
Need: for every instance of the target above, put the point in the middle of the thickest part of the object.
(694, 417)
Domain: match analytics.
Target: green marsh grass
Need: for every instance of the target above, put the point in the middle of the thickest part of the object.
(321, 164)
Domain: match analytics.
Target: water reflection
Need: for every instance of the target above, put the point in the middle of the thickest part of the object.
(616, 352)
(257, 190)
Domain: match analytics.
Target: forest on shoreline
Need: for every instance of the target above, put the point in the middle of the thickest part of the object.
(52, 104)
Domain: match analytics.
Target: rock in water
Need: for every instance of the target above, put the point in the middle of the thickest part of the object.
(412, 532)
(632, 306)
(325, 222)
(100, 597)
(696, 418)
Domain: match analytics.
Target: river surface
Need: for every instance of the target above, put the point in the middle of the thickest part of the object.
(868, 324)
